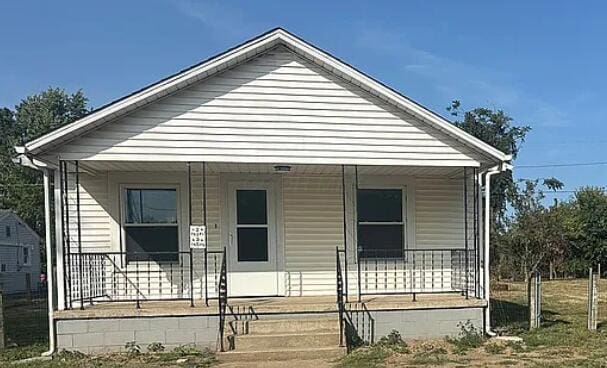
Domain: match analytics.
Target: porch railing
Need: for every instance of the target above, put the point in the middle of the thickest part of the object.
(140, 277)
(416, 271)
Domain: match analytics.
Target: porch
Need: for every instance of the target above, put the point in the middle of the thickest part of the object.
(269, 306)
(311, 220)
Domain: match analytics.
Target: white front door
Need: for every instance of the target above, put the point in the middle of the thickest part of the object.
(252, 267)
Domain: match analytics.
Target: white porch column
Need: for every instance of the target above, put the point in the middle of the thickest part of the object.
(59, 241)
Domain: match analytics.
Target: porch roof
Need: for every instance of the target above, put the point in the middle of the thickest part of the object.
(257, 168)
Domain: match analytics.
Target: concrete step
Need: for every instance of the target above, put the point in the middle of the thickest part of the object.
(288, 340)
(291, 325)
(261, 355)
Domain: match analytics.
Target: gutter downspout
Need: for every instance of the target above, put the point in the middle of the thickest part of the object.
(486, 284)
(25, 160)
(49, 264)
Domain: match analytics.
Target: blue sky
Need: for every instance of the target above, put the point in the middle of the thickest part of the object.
(543, 62)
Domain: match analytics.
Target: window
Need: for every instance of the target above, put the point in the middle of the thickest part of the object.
(3, 268)
(26, 256)
(252, 225)
(151, 224)
(381, 227)
(7, 230)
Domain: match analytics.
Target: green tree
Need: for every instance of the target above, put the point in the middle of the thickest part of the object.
(589, 238)
(21, 188)
(497, 129)
(535, 234)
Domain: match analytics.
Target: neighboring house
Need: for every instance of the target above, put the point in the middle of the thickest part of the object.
(315, 184)
(19, 255)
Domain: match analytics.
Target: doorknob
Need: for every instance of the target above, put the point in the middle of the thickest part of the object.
(231, 239)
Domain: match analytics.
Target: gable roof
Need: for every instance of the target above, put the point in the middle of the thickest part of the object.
(5, 213)
(238, 55)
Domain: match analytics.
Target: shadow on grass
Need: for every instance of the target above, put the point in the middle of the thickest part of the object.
(508, 315)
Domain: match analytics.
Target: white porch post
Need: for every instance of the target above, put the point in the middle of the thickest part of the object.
(59, 241)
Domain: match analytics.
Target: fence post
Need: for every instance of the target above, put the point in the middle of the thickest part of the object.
(28, 287)
(593, 298)
(535, 300)
(2, 334)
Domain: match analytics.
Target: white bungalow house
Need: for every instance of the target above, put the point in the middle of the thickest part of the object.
(272, 182)
(19, 255)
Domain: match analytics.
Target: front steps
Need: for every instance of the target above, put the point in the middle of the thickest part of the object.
(300, 338)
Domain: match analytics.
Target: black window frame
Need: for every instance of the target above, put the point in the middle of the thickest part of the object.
(172, 255)
(402, 223)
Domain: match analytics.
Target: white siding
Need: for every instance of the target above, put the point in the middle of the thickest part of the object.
(13, 279)
(95, 214)
(275, 108)
(313, 221)
(439, 213)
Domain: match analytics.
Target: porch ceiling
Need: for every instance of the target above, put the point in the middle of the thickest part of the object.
(134, 166)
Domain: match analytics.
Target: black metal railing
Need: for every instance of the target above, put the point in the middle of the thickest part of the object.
(222, 298)
(341, 297)
(140, 277)
(359, 325)
(415, 271)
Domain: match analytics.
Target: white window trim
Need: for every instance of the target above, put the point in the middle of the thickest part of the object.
(365, 181)
(30, 253)
(404, 204)
(122, 203)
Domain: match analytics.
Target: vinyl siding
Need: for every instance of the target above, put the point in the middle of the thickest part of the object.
(440, 213)
(95, 214)
(275, 108)
(13, 279)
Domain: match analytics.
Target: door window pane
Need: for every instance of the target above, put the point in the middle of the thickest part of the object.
(251, 207)
(252, 244)
(151, 206)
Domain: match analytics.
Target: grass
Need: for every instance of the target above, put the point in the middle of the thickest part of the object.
(562, 341)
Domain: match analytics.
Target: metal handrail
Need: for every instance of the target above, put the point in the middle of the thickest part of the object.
(223, 299)
(362, 322)
(340, 295)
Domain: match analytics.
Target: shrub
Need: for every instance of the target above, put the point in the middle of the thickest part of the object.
(132, 348)
(156, 347)
(394, 342)
(469, 337)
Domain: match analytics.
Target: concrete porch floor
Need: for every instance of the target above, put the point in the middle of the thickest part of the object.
(268, 305)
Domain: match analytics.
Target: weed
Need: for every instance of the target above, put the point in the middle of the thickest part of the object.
(495, 348)
(132, 348)
(156, 347)
(430, 355)
(375, 355)
(515, 346)
(394, 343)
(469, 337)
